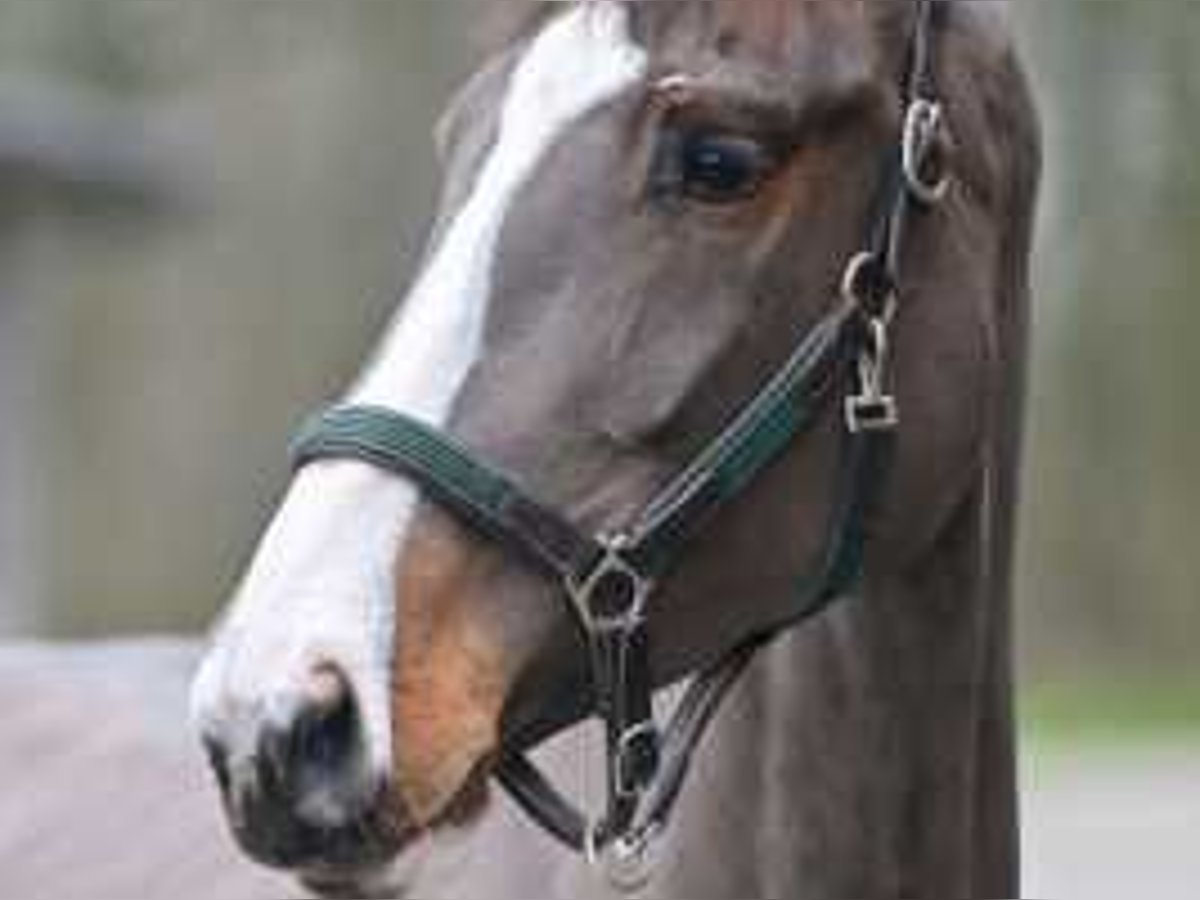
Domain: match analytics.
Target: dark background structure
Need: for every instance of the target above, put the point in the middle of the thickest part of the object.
(153, 367)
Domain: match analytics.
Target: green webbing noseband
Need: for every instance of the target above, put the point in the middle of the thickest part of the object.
(609, 578)
(496, 504)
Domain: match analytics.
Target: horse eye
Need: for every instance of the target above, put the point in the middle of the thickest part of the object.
(721, 168)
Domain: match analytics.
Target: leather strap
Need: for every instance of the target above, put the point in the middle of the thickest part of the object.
(784, 409)
(609, 579)
(618, 641)
(865, 466)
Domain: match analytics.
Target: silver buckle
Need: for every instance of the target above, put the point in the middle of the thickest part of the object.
(623, 790)
(865, 414)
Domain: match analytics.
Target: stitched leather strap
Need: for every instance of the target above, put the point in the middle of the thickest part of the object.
(644, 784)
(865, 468)
(496, 504)
(456, 478)
(642, 764)
(784, 409)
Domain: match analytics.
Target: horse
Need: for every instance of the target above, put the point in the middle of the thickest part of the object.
(652, 401)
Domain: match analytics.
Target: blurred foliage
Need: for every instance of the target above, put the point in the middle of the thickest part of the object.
(1111, 711)
(1111, 572)
(168, 371)
(165, 373)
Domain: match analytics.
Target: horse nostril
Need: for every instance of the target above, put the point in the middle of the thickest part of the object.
(327, 727)
(311, 754)
(295, 770)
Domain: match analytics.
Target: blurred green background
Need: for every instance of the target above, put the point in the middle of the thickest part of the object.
(207, 211)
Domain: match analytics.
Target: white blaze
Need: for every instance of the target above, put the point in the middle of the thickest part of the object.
(321, 586)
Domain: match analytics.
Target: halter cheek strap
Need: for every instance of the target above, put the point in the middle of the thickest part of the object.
(609, 580)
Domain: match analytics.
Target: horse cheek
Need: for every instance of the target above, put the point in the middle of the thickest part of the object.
(449, 681)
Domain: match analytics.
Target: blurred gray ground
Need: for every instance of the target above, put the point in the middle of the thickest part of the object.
(104, 795)
(102, 792)
(1104, 823)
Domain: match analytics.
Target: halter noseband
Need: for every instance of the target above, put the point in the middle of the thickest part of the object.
(609, 579)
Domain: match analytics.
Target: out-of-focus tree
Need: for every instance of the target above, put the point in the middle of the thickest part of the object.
(169, 373)
(67, 162)
(1111, 561)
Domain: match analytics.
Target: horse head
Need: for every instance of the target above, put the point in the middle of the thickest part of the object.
(646, 207)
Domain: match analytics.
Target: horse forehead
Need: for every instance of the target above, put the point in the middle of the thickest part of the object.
(804, 38)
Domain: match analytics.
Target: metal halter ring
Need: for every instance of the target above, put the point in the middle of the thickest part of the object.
(629, 591)
(867, 285)
(922, 129)
(629, 860)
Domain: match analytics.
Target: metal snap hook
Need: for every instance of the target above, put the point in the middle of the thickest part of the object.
(867, 285)
(873, 408)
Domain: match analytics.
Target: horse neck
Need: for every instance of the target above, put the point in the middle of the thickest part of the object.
(869, 754)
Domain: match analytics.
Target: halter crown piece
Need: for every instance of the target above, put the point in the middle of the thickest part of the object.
(609, 579)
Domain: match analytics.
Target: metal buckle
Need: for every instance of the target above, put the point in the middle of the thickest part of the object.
(628, 784)
(873, 408)
(923, 124)
(865, 414)
(628, 586)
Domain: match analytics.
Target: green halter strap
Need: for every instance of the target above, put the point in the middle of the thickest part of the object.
(609, 579)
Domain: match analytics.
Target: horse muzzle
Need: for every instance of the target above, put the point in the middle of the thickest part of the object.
(298, 785)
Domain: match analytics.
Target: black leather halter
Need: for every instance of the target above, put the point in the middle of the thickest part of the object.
(609, 579)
